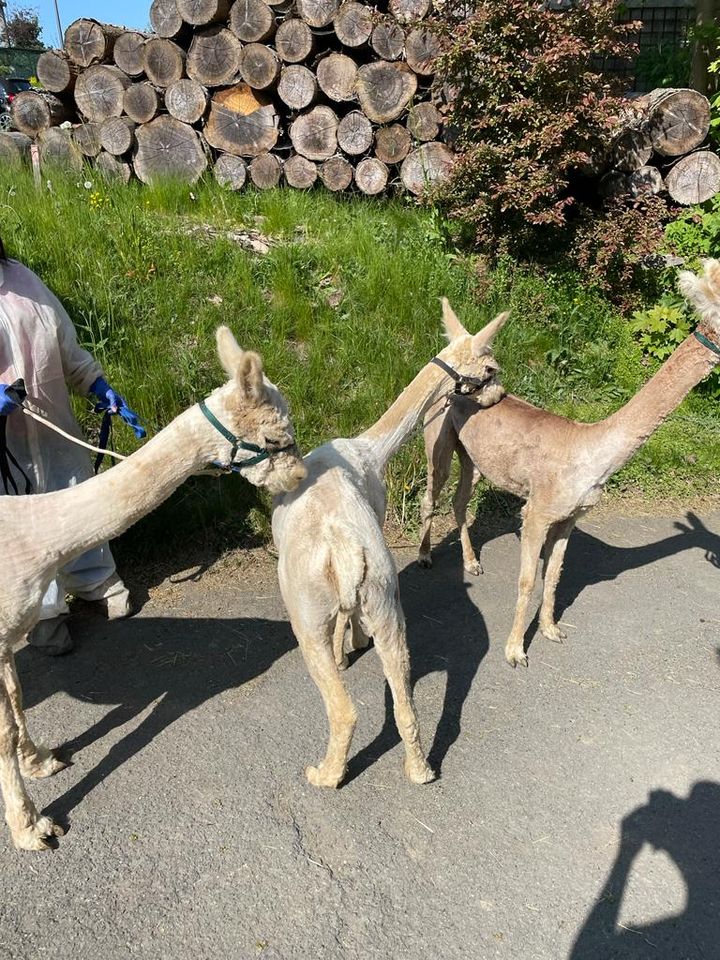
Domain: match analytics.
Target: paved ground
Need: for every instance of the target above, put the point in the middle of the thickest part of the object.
(576, 815)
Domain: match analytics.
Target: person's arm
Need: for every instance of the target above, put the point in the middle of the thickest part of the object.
(81, 369)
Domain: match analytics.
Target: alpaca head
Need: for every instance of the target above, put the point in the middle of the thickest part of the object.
(703, 292)
(254, 410)
(471, 354)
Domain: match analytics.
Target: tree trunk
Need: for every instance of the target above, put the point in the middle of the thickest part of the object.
(252, 21)
(392, 144)
(164, 61)
(407, 11)
(355, 133)
(353, 24)
(32, 112)
(168, 148)
(707, 15)
(371, 176)
(337, 75)
(294, 40)
(317, 13)
(297, 87)
(695, 178)
(388, 40)
(678, 121)
(117, 135)
(214, 57)
(100, 91)
(110, 168)
(87, 137)
(259, 66)
(336, 173)
(88, 42)
(14, 149)
(300, 172)
(165, 19)
(142, 102)
(129, 52)
(424, 121)
(422, 48)
(426, 166)
(385, 89)
(186, 100)
(56, 71)
(265, 171)
(200, 12)
(230, 171)
(314, 134)
(242, 122)
(58, 149)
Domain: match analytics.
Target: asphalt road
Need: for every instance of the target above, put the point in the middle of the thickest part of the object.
(576, 815)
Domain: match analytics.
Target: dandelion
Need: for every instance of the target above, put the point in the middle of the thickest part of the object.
(48, 184)
(88, 184)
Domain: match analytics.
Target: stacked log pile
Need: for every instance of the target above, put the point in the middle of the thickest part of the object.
(260, 90)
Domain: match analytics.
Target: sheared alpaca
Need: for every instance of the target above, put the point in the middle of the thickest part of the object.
(334, 566)
(42, 533)
(558, 466)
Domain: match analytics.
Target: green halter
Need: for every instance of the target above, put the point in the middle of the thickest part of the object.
(237, 443)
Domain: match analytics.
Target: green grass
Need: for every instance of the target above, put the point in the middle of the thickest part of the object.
(344, 309)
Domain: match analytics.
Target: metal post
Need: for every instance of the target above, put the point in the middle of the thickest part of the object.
(57, 21)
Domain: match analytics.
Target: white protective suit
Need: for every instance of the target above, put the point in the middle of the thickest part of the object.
(39, 344)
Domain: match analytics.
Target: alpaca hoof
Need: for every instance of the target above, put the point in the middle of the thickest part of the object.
(516, 657)
(342, 663)
(37, 836)
(551, 631)
(419, 772)
(44, 763)
(321, 778)
(425, 561)
(474, 569)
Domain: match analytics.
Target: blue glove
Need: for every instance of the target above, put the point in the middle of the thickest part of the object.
(8, 399)
(111, 402)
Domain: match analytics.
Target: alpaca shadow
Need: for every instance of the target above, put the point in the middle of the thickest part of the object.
(686, 830)
(171, 665)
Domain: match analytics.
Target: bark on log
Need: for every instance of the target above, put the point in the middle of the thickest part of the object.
(214, 57)
(388, 40)
(88, 41)
(294, 40)
(392, 144)
(165, 19)
(297, 87)
(265, 171)
(336, 173)
(314, 134)
(317, 13)
(168, 148)
(695, 178)
(613, 185)
(14, 148)
(371, 176)
(87, 137)
(186, 100)
(259, 66)
(117, 135)
(679, 120)
(142, 102)
(56, 71)
(422, 47)
(355, 133)
(408, 11)
(129, 52)
(645, 181)
(424, 121)
(110, 168)
(100, 92)
(337, 76)
(631, 148)
(230, 171)
(200, 12)
(242, 122)
(300, 172)
(353, 24)
(252, 21)
(385, 89)
(163, 61)
(426, 166)
(58, 149)
(32, 112)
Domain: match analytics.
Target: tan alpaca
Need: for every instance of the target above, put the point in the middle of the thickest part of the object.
(335, 567)
(42, 533)
(557, 465)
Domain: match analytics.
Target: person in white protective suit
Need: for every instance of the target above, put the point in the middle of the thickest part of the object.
(38, 344)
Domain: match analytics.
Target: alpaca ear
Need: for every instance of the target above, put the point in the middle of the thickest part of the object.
(249, 375)
(453, 327)
(483, 338)
(229, 352)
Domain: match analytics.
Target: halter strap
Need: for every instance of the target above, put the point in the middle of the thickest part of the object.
(707, 343)
(461, 379)
(237, 443)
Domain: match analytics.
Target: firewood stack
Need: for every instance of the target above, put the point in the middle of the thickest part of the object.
(270, 90)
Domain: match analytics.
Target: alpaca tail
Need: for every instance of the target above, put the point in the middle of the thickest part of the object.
(703, 292)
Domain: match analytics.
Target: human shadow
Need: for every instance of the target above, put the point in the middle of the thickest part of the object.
(685, 829)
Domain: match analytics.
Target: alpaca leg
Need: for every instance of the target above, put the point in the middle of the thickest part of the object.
(342, 717)
(29, 831)
(555, 547)
(534, 531)
(341, 626)
(35, 761)
(439, 451)
(468, 478)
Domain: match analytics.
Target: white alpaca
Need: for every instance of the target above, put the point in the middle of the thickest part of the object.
(42, 533)
(334, 565)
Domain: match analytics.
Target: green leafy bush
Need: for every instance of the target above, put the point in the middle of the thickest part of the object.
(695, 233)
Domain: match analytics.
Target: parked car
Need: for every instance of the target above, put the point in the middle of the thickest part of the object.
(9, 87)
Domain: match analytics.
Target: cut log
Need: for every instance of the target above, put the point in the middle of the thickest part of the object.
(336, 76)
(165, 19)
(429, 164)
(353, 24)
(371, 176)
(355, 133)
(14, 148)
(110, 168)
(242, 122)
(167, 148)
(385, 89)
(265, 171)
(317, 13)
(408, 11)
(314, 134)
(186, 100)
(56, 71)
(58, 149)
(87, 137)
(614, 184)
(259, 66)
(392, 144)
(252, 21)
(424, 121)
(87, 41)
(631, 148)
(214, 57)
(32, 111)
(388, 40)
(645, 181)
(294, 40)
(200, 12)
(300, 172)
(142, 102)
(117, 135)
(297, 87)
(422, 48)
(163, 61)
(100, 92)
(129, 52)
(679, 120)
(230, 171)
(336, 173)
(695, 178)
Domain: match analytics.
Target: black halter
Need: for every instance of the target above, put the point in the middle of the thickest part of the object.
(463, 383)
